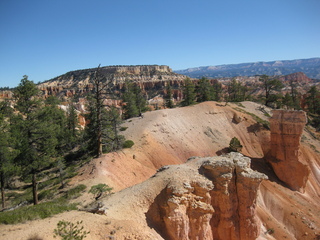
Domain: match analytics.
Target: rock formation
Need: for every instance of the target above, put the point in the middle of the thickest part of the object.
(78, 82)
(217, 201)
(286, 130)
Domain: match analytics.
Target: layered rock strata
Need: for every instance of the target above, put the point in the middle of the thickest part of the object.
(286, 130)
(79, 82)
(217, 202)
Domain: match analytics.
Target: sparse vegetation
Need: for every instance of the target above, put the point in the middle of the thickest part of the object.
(99, 189)
(39, 211)
(70, 231)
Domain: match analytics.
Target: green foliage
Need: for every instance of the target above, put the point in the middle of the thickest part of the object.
(39, 211)
(128, 144)
(7, 149)
(204, 90)
(216, 90)
(70, 231)
(235, 145)
(189, 94)
(123, 129)
(99, 189)
(313, 100)
(134, 99)
(237, 92)
(26, 96)
(271, 86)
(168, 102)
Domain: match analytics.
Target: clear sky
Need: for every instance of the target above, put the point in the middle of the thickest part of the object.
(44, 39)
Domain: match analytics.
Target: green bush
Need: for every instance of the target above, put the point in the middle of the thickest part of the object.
(234, 145)
(128, 144)
(123, 128)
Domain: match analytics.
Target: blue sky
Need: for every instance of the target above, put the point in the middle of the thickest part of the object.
(44, 39)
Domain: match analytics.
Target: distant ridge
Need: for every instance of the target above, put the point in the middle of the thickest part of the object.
(311, 67)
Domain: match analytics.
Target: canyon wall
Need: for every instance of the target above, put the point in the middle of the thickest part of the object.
(286, 130)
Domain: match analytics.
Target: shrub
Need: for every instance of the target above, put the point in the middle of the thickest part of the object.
(234, 145)
(123, 128)
(99, 189)
(128, 144)
(70, 231)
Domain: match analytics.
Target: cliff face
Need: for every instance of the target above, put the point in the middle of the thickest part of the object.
(217, 201)
(78, 82)
(286, 130)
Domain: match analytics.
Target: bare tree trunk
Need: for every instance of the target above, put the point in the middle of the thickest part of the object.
(35, 189)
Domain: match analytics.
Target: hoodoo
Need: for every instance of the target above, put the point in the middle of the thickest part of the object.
(286, 130)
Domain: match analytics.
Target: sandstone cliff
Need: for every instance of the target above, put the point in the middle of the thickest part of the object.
(286, 130)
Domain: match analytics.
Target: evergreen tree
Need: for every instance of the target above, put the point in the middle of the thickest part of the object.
(168, 102)
(270, 86)
(130, 102)
(287, 101)
(7, 151)
(294, 96)
(236, 91)
(217, 90)
(102, 88)
(141, 101)
(313, 100)
(204, 90)
(189, 93)
(36, 131)
(113, 140)
(72, 135)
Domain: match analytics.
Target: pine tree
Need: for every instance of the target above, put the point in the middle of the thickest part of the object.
(141, 101)
(216, 90)
(168, 97)
(313, 100)
(37, 129)
(204, 90)
(189, 93)
(270, 86)
(130, 102)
